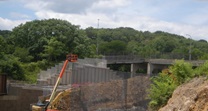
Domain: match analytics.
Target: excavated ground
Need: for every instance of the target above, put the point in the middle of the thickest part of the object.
(191, 96)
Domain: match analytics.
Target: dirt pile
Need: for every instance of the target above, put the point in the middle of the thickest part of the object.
(191, 96)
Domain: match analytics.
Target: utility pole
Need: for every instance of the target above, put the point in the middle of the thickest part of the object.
(97, 37)
(189, 47)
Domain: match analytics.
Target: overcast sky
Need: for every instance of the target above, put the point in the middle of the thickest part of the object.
(174, 16)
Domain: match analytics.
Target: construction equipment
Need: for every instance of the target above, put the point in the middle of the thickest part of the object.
(49, 105)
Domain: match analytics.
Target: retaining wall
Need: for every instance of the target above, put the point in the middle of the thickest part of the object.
(19, 98)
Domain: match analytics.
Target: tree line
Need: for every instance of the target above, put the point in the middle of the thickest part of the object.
(39, 44)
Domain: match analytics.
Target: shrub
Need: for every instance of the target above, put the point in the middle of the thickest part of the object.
(161, 90)
(202, 70)
(182, 71)
(165, 83)
(12, 67)
(32, 69)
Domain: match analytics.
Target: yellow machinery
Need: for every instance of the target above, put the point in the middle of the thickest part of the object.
(50, 105)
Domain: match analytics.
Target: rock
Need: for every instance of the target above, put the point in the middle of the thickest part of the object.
(116, 94)
(191, 96)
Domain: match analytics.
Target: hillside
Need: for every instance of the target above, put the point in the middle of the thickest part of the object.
(191, 96)
(39, 44)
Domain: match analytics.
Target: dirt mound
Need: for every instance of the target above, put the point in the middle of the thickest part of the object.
(191, 96)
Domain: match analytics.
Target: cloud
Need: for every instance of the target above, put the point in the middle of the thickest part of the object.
(140, 15)
(75, 6)
(108, 6)
(36, 5)
(138, 22)
(57, 6)
(199, 17)
(6, 24)
(19, 15)
(70, 6)
(84, 20)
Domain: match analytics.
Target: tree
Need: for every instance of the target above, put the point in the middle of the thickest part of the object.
(147, 51)
(22, 54)
(5, 33)
(3, 44)
(34, 36)
(133, 47)
(11, 66)
(164, 44)
(91, 32)
(53, 50)
(113, 47)
(83, 46)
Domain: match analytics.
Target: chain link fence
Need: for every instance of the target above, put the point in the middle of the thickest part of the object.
(127, 94)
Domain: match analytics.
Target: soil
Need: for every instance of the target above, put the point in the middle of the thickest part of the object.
(191, 96)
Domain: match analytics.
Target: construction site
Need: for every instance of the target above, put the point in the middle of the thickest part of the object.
(86, 85)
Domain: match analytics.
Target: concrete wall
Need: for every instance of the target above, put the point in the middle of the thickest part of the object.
(91, 74)
(153, 69)
(19, 98)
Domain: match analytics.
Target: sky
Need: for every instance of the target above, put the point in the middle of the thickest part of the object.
(188, 18)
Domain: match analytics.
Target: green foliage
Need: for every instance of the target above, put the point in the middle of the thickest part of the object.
(115, 46)
(204, 57)
(83, 47)
(165, 83)
(2, 45)
(182, 71)
(142, 71)
(12, 67)
(30, 71)
(133, 47)
(40, 44)
(46, 42)
(202, 70)
(53, 49)
(5, 33)
(48, 39)
(161, 90)
(22, 54)
(164, 44)
(147, 51)
(148, 44)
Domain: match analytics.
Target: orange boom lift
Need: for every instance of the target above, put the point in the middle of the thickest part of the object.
(50, 104)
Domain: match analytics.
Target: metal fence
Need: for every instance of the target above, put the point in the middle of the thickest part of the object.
(129, 57)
